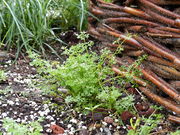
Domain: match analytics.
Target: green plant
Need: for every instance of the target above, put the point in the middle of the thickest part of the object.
(144, 129)
(74, 13)
(85, 75)
(33, 128)
(2, 76)
(25, 24)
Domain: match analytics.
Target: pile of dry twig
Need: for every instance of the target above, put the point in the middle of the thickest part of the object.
(149, 27)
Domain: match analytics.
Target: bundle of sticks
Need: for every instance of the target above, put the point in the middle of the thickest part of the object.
(149, 27)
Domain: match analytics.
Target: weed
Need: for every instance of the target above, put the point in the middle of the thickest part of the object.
(33, 128)
(85, 75)
(144, 129)
(2, 76)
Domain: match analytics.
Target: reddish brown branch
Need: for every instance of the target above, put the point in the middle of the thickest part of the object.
(162, 35)
(164, 52)
(129, 10)
(174, 119)
(161, 84)
(130, 20)
(166, 2)
(159, 18)
(169, 29)
(160, 100)
(161, 61)
(159, 9)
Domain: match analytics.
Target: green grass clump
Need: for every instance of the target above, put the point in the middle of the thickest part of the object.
(29, 24)
(74, 13)
(24, 24)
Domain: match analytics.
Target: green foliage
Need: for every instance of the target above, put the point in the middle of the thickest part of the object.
(2, 76)
(29, 24)
(85, 75)
(74, 13)
(111, 99)
(149, 124)
(33, 128)
(25, 24)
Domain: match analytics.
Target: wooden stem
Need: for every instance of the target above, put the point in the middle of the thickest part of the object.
(160, 100)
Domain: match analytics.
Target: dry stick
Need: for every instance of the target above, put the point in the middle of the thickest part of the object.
(174, 119)
(162, 35)
(129, 10)
(130, 20)
(159, 9)
(155, 30)
(160, 46)
(129, 40)
(160, 50)
(137, 28)
(93, 31)
(168, 29)
(159, 18)
(177, 22)
(148, 93)
(160, 100)
(108, 13)
(161, 61)
(170, 70)
(175, 42)
(161, 84)
(160, 71)
(125, 46)
(175, 84)
(166, 2)
(135, 53)
(135, 78)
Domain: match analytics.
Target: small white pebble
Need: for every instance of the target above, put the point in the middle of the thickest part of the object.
(116, 120)
(72, 129)
(69, 126)
(84, 127)
(53, 123)
(17, 100)
(4, 105)
(47, 125)
(48, 130)
(4, 114)
(18, 120)
(101, 129)
(73, 120)
(104, 123)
